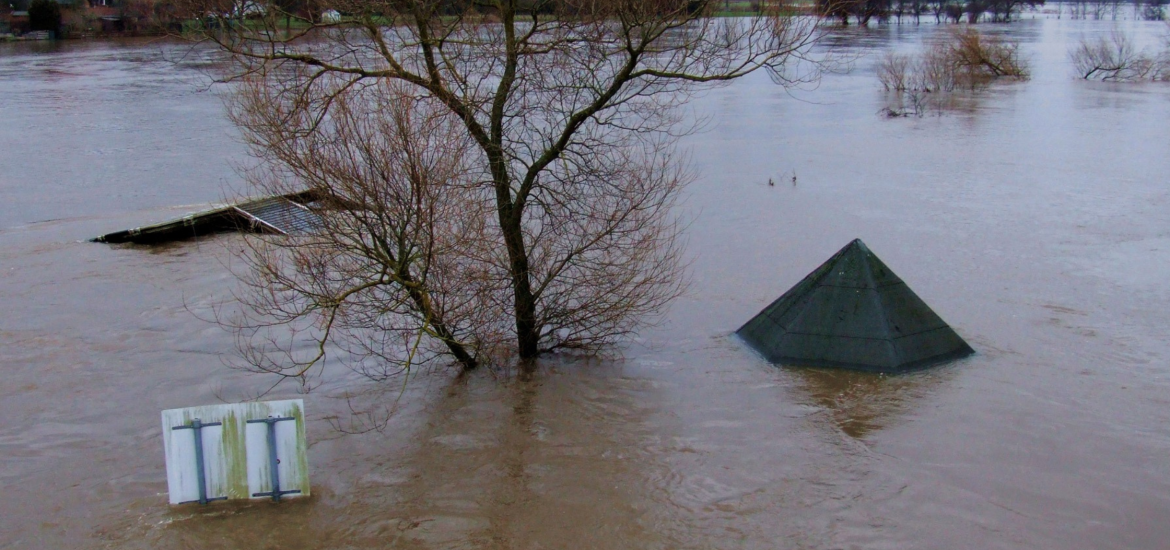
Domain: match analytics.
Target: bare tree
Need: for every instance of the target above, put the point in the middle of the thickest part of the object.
(499, 175)
(895, 71)
(1116, 58)
(1098, 8)
(1003, 10)
(965, 59)
(1154, 10)
(979, 58)
(396, 212)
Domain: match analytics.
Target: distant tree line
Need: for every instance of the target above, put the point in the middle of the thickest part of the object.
(1148, 10)
(457, 7)
(863, 12)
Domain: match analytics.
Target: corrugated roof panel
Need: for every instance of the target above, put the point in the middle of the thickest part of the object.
(282, 214)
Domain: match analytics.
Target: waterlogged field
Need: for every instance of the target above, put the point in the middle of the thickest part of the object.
(1031, 216)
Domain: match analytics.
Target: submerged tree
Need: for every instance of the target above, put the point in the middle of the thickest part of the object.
(965, 59)
(498, 176)
(1116, 58)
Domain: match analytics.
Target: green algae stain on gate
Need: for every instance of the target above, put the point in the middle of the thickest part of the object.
(301, 458)
(236, 480)
(235, 458)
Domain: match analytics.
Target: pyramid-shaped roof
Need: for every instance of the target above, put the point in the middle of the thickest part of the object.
(853, 312)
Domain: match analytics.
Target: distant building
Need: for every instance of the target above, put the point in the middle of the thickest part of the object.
(15, 21)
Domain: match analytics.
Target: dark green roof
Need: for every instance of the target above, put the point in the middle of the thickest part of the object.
(853, 312)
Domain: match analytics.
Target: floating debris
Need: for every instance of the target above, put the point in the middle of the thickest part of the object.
(853, 312)
(280, 214)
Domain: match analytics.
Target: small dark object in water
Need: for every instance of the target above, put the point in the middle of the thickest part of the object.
(771, 183)
(853, 312)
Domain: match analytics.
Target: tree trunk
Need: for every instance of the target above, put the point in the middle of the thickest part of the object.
(511, 209)
(527, 333)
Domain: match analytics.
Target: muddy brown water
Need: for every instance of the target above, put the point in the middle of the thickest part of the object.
(1034, 220)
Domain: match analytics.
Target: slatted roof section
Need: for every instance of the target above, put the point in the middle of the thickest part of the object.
(281, 215)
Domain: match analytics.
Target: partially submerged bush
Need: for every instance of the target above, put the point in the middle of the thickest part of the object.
(966, 60)
(984, 58)
(1116, 58)
(895, 71)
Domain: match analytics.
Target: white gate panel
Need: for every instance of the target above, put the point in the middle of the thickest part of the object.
(291, 466)
(236, 455)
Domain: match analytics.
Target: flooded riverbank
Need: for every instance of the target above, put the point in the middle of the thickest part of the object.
(1033, 222)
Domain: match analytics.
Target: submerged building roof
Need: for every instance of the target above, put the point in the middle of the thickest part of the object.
(279, 214)
(853, 312)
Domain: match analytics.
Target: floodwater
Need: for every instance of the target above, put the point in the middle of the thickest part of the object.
(1034, 220)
